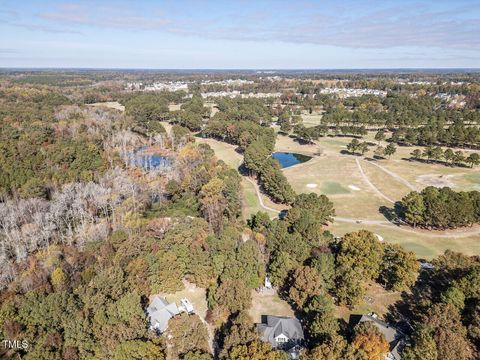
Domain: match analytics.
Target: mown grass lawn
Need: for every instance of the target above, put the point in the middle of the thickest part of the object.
(268, 303)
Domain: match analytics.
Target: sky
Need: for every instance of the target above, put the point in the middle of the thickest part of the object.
(242, 34)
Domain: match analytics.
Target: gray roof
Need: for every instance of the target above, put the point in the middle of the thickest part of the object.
(392, 335)
(159, 312)
(278, 325)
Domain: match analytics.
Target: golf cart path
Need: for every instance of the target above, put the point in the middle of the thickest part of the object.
(395, 176)
(369, 183)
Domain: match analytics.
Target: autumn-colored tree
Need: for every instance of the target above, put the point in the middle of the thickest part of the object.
(371, 341)
(334, 348)
(474, 327)
(58, 278)
(256, 350)
(213, 203)
(241, 330)
(233, 295)
(358, 261)
(197, 355)
(304, 283)
(443, 323)
(362, 252)
(138, 349)
(399, 268)
(186, 333)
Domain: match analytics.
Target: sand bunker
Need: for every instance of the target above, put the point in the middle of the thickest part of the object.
(312, 186)
(435, 180)
(353, 187)
(380, 238)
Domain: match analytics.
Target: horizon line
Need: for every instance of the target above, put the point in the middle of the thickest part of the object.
(34, 68)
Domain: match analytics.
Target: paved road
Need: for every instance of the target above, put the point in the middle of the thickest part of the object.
(361, 221)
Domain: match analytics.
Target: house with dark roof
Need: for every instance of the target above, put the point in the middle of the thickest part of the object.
(394, 336)
(283, 333)
(160, 312)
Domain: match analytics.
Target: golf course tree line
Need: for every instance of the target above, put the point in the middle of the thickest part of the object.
(237, 126)
(422, 120)
(441, 208)
(449, 157)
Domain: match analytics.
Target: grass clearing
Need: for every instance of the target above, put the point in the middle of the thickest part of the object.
(268, 303)
(196, 295)
(376, 300)
(110, 104)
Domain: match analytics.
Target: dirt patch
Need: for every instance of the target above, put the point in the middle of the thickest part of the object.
(435, 180)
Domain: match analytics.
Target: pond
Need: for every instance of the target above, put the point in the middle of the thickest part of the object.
(287, 159)
(149, 161)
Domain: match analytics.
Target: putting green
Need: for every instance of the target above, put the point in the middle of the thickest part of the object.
(333, 188)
